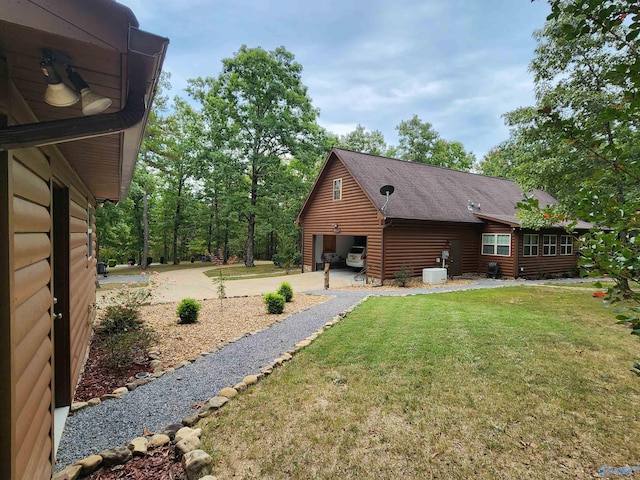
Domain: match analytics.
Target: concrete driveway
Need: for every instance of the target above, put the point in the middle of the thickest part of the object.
(178, 284)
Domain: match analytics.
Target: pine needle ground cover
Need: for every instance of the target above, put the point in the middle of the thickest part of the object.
(521, 382)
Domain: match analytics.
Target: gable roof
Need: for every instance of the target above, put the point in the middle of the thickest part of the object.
(427, 192)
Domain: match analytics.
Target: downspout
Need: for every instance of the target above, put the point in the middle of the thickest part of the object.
(516, 234)
(142, 45)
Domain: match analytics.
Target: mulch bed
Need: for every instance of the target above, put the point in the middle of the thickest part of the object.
(159, 464)
(99, 378)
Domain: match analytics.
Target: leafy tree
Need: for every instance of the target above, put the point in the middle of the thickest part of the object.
(497, 162)
(586, 70)
(360, 140)
(176, 158)
(419, 142)
(258, 112)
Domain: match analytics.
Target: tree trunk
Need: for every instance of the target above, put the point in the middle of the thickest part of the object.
(176, 225)
(250, 240)
(145, 228)
(251, 230)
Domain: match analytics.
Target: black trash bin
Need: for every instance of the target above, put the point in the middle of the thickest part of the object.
(102, 269)
(493, 270)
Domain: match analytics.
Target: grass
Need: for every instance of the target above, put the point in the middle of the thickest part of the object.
(236, 272)
(603, 285)
(518, 382)
(266, 269)
(154, 267)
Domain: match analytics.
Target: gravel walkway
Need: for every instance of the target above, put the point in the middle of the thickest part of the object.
(169, 399)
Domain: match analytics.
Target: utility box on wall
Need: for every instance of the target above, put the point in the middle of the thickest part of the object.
(434, 275)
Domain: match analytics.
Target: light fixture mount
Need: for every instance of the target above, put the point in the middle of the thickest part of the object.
(59, 95)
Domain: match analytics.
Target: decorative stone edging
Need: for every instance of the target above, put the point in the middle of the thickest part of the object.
(197, 463)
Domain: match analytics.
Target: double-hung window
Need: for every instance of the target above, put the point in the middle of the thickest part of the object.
(530, 245)
(496, 244)
(566, 245)
(549, 245)
(337, 189)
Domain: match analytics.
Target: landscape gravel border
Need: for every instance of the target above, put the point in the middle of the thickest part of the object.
(174, 395)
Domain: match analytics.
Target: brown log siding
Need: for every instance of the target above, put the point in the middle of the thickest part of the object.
(417, 245)
(354, 214)
(412, 243)
(507, 264)
(31, 332)
(29, 222)
(82, 274)
(541, 265)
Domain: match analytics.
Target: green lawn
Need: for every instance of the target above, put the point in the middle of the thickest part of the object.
(155, 267)
(518, 382)
(239, 271)
(232, 272)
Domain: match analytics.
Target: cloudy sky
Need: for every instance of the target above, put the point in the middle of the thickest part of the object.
(458, 64)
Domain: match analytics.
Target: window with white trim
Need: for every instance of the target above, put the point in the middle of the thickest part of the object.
(337, 189)
(549, 245)
(496, 244)
(566, 245)
(530, 245)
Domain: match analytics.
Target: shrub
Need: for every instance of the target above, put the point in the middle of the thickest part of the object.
(403, 276)
(286, 291)
(122, 349)
(119, 318)
(287, 258)
(122, 306)
(188, 310)
(149, 260)
(112, 262)
(275, 303)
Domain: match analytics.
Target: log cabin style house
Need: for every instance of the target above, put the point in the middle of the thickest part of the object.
(60, 157)
(434, 217)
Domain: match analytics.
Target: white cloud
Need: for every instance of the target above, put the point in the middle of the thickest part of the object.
(457, 64)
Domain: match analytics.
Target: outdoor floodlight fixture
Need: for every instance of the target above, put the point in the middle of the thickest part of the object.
(92, 103)
(59, 94)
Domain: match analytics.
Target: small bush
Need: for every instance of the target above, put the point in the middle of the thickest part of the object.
(188, 310)
(275, 303)
(112, 262)
(123, 349)
(119, 318)
(286, 291)
(287, 259)
(403, 276)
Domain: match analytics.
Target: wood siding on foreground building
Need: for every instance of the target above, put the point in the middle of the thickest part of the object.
(29, 176)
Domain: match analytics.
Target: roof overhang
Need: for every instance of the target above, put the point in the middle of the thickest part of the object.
(514, 222)
(117, 60)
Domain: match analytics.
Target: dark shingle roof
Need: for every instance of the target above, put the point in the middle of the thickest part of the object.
(426, 192)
